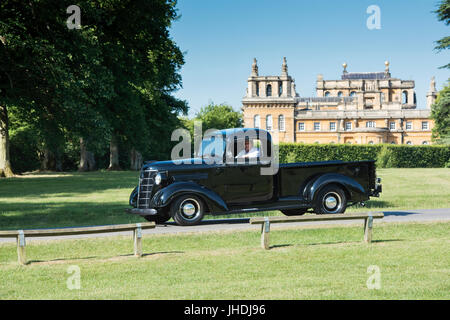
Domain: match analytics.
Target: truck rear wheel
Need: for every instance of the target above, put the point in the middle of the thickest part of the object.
(187, 210)
(331, 199)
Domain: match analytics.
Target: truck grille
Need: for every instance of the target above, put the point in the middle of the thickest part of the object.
(146, 182)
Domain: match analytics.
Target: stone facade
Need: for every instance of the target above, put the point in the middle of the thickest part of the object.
(361, 108)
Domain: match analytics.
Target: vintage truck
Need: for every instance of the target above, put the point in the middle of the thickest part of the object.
(234, 182)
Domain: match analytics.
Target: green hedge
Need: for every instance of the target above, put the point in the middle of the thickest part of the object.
(387, 156)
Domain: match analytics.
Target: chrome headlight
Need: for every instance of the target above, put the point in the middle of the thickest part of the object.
(158, 179)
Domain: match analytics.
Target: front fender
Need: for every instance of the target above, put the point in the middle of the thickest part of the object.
(164, 197)
(354, 189)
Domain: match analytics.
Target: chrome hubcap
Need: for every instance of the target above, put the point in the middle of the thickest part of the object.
(332, 202)
(190, 209)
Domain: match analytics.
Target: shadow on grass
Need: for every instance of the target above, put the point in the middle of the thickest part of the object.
(75, 183)
(162, 252)
(280, 246)
(62, 260)
(14, 216)
(347, 242)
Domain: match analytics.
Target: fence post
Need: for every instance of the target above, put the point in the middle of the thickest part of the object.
(265, 230)
(137, 237)
(21, 248)
(368, 222)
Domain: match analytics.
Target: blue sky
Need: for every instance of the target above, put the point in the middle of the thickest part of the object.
(220, 38)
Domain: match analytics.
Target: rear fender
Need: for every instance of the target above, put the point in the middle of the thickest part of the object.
(164, 197)
(355, 191)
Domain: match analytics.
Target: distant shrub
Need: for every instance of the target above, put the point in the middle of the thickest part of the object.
(387, 156)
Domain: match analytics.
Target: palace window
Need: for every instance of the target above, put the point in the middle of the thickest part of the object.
(281, 126)
(257, 121)
(301, 126)
(269, 122)
(409, 143)
(348, 126)
(370, 124)
(409, 125)
(370, 142)
(316, 126)
(404, 97)
(340, 94)
(327, 94)
(269, 90)
(424, 125)
(280, 88)
(392, 125)
(332, 126)
(424, 142)
(257, 89)
(353, 94)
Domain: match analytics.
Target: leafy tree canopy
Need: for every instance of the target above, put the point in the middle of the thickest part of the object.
(443, 14)
(215, 116)
(440, 113)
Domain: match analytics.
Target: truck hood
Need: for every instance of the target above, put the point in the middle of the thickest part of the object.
(182, 164)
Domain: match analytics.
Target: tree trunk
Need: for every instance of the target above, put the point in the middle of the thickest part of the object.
(114, 154)
(5, 164)
(48, 163)
(135, 160)
(87, 159)
(58, 162)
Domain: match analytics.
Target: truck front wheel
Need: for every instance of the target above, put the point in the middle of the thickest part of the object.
(331, 199)
(187, 210)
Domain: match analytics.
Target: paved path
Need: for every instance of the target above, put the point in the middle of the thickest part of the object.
(242, 224)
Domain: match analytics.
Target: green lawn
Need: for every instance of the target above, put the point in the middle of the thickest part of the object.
(82, 199)
(304, 263)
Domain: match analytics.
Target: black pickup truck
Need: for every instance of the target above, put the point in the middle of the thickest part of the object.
(231, 179)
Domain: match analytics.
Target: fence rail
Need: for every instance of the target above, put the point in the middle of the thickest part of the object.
(21, 235)
(267, 221)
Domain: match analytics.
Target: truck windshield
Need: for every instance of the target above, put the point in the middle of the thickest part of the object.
(212, 147)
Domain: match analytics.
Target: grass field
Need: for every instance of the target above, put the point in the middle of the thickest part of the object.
(83, 199)
(304, 263)
(413, 261)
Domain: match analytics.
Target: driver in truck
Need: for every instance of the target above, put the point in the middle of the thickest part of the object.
(249, 150)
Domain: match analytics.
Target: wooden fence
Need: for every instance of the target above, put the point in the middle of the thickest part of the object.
(21, 235)
(267, 221)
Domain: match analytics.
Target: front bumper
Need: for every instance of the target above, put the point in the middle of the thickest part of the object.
(142, 212)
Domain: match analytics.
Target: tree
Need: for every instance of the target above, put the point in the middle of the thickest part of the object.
(56, 80)
(443, 13)
(215, 116)
(440, 113)
(101, 84)
(144, 61)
